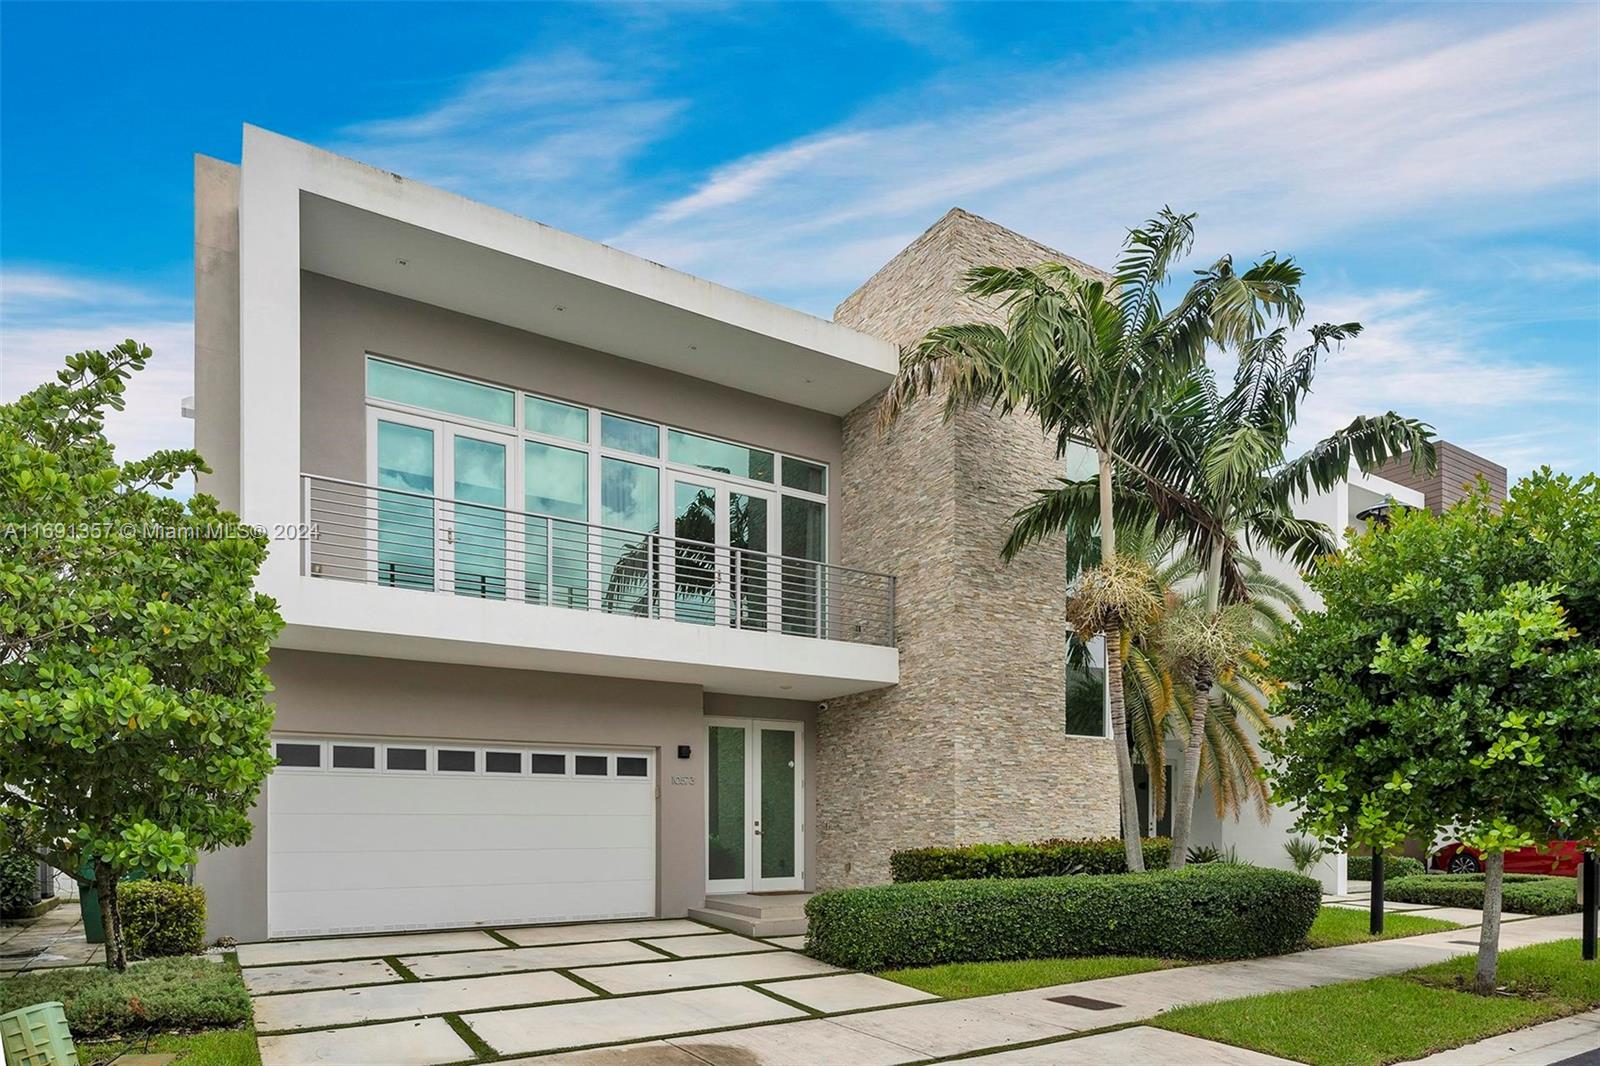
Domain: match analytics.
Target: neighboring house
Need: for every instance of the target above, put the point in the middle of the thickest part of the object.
(603, 592)
(1348, 508)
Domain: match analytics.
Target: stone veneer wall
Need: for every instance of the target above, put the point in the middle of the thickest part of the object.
(971, 744)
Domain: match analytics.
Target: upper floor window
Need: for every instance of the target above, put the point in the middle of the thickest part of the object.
(556, 419)
(690, 449)
(436, 392)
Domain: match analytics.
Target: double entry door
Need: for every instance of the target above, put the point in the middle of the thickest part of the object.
(755, 825)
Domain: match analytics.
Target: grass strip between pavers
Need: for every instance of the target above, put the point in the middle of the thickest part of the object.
(1337, 926)
(961, 980)
(1406, 1016)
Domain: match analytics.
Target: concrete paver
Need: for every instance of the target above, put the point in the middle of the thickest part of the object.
(671, 974)
(425, 1042)
(1540, 1045)
(648, 1053)
(610, 1021)
(534, 935)
(793, 943)
(1389, 906)
(264, 979)
(510, 960)
(688, 947)
(277, 952)
(846, 991)
(951, 1027)
(338, 1006)
(797, 1044)
(1139, 1046)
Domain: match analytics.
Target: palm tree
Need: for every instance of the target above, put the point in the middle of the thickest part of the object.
(1160, 702)
(1092, 361)
(1226, 456)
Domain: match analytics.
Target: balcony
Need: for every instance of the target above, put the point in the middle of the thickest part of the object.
(397, 539)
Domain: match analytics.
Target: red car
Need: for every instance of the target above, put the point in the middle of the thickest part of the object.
(1559, 857)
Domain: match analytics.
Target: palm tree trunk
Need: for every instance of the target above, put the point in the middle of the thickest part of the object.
(1183, 816)
(1494, 879)
(1132, 848)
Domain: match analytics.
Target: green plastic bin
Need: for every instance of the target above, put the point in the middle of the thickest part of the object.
(94, 922)
(37, 1036)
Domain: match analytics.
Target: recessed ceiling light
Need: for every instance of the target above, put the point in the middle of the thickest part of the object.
(560, 308)
(786, 688)
(694, 347)
(403, 262)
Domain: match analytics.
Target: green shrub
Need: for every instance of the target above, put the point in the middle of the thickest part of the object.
(162, 918)
(1203, 912)
(187, 993)
(1394, 867)
(19, 883)
(1524, 893)
(1044, 858)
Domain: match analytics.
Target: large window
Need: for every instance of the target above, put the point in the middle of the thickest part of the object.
(581, 467)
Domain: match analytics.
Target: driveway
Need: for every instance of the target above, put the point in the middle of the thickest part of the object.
(673, 992)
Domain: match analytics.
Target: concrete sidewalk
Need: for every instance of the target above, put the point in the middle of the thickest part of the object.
(1560, 1041)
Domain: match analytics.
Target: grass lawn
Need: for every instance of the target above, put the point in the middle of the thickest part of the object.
(1390, 1019)
(218, 1047)
(1341, 925)
(958, 980)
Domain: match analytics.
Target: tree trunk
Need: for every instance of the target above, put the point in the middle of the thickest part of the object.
(1494, 878)
(1183, 815)
(1132, 848)
(105, 884)
(1189, 784)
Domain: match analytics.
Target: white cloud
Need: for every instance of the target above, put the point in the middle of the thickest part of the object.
(49, 315)
(548, 135)
(1425, 356)
(1276, 145)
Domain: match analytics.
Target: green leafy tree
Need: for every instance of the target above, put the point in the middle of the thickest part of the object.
(1452, 678)
(133, 724)
(1091, 361)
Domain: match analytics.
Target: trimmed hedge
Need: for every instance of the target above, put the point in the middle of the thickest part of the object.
(162, 918)
(1044, 858)
(1202, 912)
(1394, 867)
(19, 883)
(191, 993)
(1524, 893)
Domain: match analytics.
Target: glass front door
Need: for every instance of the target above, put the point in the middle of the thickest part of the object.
(754, 823)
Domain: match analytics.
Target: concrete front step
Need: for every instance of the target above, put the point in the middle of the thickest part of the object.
(747, 926)
(781, 914)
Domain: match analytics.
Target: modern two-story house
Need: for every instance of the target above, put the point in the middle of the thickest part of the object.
(605, 595)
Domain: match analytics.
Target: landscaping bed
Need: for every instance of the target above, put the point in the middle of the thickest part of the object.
(1394, 1019)
(1044, 858)
(162, 994)
(1205, 912)
(1524, 893)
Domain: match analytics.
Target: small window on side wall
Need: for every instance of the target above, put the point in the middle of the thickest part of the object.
(1085, 688)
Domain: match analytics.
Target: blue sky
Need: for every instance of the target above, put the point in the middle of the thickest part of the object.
(1435, 168)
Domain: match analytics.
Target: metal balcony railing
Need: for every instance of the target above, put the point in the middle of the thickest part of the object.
(410, 540)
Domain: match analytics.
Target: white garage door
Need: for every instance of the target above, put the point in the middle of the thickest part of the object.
(369, 835)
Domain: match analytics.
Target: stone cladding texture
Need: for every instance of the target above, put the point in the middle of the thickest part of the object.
(971, 745)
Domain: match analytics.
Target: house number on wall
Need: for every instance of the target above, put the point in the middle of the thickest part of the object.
(683, 779)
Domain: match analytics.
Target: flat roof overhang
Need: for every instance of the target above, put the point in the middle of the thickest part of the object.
(381, 231)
